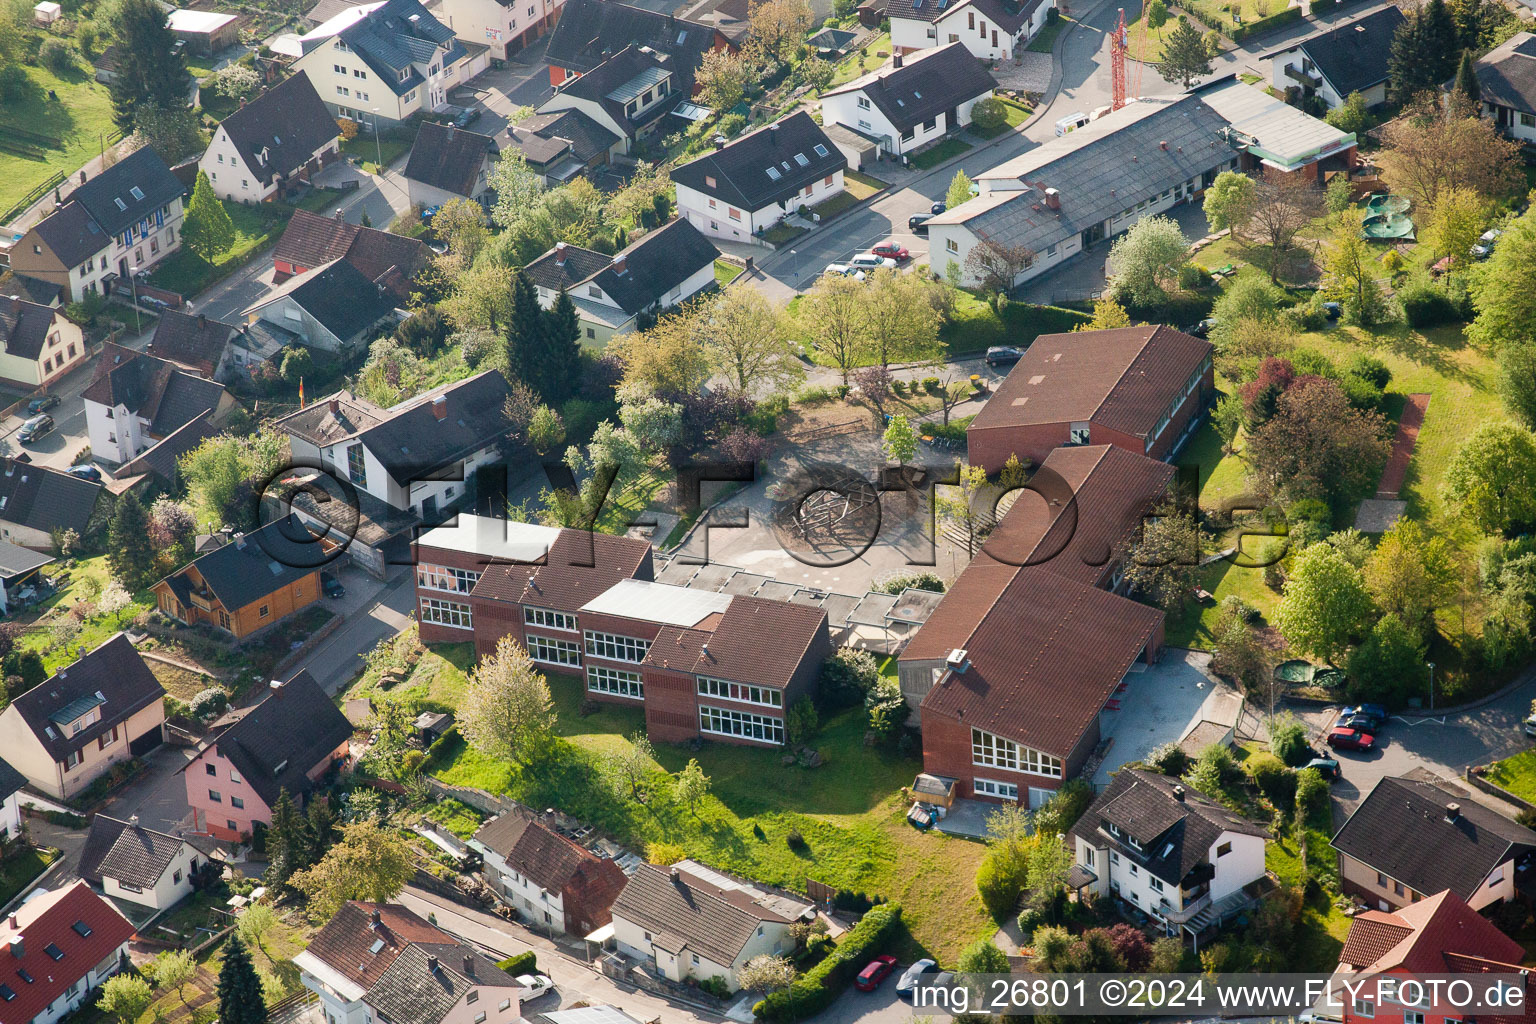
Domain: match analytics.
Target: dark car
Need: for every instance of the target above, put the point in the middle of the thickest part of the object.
(90, 473)
(1326, 765)
(1350, 739)
(892, 251)
(907, 983)
(938, 208)
(1000, 354)
(918, 223)
(35, 428)
(1365, 723)
(1201, 329)
(875, 972)
(332, 586)
(467, 117)
(42, 404)
(1377, 711)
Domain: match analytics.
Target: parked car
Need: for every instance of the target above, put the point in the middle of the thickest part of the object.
(918, 223)
(1485, 243)
(467, 117)
(332, 586)
(1328, 766)
(1530, 726)
(1342, 738)
(535, 985)
(1365, 723)
(890, 250)
(869, 261)
(1374, 710)
(1201, 329)
(90, 473)
(997, 355)
(42, 404)
(875, 972)
(907, 983)
(938, 208)
(1333, 310)
(846, 270)
(35, 428)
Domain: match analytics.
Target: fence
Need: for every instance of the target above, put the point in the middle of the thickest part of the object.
(33, 196)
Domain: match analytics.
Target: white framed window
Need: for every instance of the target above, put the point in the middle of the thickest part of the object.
(615, 682)
(1365, 1008)
(616, 648)
(1003, 790)
(1155, 882)
(991, 751)
(550, 619)
(554, 652)
(722, 722)
(444, 577)
(75, 759)
(761, 695)
(446, 613)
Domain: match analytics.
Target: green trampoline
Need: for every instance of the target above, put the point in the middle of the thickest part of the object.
(1294, 671)
(1387, 225)
(1381, 202)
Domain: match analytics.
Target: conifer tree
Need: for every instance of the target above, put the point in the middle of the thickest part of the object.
(240, 997)
(152, 71)
(525, 335)
(130, 552)
(562, 355)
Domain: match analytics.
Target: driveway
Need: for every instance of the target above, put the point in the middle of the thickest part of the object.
(371, 611)
(159, 795)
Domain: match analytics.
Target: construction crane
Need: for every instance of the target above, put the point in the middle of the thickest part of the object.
(1117, 47)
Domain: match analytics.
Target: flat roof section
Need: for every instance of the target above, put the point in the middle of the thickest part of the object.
(658, 602)
(492, 538)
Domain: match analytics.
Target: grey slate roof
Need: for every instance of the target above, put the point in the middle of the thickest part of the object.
(110, 199)
(412, 990)
(161, 458)
(115, 671)
(192, 341)
(33, 289)
(186, 395)
(72, 235)
(16, 560)
(395, 38)
(1353, 57)
(266, 560)
(275, 744)
(1401, 829)
(626, 66)
(542, 137)
(449, 158)
(339, 295)
(42, 499)
(928, 83)
(10, 779)
(128, 852)
(796, 149)
(685, 912)
(412, 442)
(590, 31)
(325, 10)
(24, 326)
(1094, 172)
(278, 132)
(653, 266)
(1011, 16)
(155, 389)
(1507, 74)
(1175, 831)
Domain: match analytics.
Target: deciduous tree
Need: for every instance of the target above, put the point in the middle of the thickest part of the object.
(779, 26)
(370, 863)
(629, 767)
(959, 190)
(1283, 204)
(1145, 261)
(1517, 379)
(747, 340)
(460, 225)
(1162, 565)
(996, 266)
(1317, 444)
(903, 325)
(1325, 603)
(126, 997)
(722, 78)
(1501, 290)
(670, 358)
(1431, 148)
(692, 785)
(900, 441)
(174, 969)
(1491, 480)
(833, 316)
(1453, 224)
(517, 187)
(1411, 573)
(1229, 201)
(959, 505)
(507, 712)
(1350, 275)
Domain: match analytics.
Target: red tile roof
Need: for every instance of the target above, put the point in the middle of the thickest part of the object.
(346, 942)
(1043, 660)
(1123, 379)
(755, 641)
(1440, 934)
(49, 922)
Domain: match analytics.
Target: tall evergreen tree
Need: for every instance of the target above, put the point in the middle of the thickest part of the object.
(240, 998)
(287, 842)
(152, 71)
(1466, 87)
(1423, 54)
(562, 353)
(525, 339)
(130, 552)
(320, 831)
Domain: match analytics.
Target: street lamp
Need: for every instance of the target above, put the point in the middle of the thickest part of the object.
(378, 147)
(795, 268)
(1431, 685)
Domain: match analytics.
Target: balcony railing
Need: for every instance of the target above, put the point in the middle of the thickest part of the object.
(1298, 75)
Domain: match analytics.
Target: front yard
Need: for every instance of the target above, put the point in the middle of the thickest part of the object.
(930, 158)
(186, 273)
(21, 868)
(68, 620)
(849, 810)
(1516, 774)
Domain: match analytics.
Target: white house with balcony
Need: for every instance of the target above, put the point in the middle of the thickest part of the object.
(913, 100)
(1171, 852)
(990, 29)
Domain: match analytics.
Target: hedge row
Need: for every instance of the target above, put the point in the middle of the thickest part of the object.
(816, 989)
(523, 963)
(1237, 33)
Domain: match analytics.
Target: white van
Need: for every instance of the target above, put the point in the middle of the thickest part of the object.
(1071, 123)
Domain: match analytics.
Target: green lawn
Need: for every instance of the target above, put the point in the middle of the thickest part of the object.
(849, 811)
(726, 272)
(21, 868)
(938, 154)
(861, 186)
(1324, 924)
(1017, 114)
(390, 147)
(975, 326)
(1046, 37)
(187, 273)
(86, 581)
(1516, 774)
(81, 118)
(831, 207)
(852, 66)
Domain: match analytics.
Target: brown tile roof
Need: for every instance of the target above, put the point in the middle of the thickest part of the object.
(551, 860)
(755, 641)
(580, 566)
(1438, 934)
(1043, 660)
(345, 943)
(686, 912)
(1123, 379)
(311, 240)
(1089, 500)
(195, 342)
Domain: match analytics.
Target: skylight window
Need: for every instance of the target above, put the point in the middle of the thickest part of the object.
(82, 929)
(917, 94)
(120, 204)
(53, 950)
(773, 172)
(819, 149)
(7, 993)
(136, 192)
(21, 972)
(378, 944)
(802, 160)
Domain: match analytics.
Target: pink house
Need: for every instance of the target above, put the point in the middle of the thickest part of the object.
(286, 742)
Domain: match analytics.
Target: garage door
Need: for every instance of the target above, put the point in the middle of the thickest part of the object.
(145, 743)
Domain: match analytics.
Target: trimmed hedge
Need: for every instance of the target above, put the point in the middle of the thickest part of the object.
(818, 987)
(1237, 33)
(523, 963)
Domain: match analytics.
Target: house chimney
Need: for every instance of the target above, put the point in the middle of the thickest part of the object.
(1163, 144)
(1053, 199)
(440, 408)
(18, 947)
(432, 964)
(15, 921)
(773, 134)
(620, 264)
(376, 919)
(276, 686)
(240, 541)
(242, 101)
(1452, 811)
(202, 321)
(560, 254)
(896, 61)
(1178, 793)
(133, 819)
(335, 405)
(676, 875)
(469, 966)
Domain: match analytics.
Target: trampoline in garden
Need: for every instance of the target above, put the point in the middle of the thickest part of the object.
(1295, 671)
(1387, 225)
(1381, 202)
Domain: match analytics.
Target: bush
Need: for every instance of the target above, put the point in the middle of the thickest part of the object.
(1288, 739)
(914, 581)
(1304, 510)
(208, 703)
(523, 963)
(1168, 758)
(56, 56)
(1362, 394)
(1061, 811)
(1311, 790)
(989, 115)
(795, 841)
(1192, 276)
(1272, 778)
(1426, 305)
(1304, 316)
(847, 677)
(815, 990)
(802, 722)
(1369, 368)
(1000, 880)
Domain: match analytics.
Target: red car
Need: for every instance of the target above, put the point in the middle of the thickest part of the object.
(874, 973)
(1350, 739)
(892, 251)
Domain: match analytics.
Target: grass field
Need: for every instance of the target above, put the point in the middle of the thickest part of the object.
(849, 810)
(187, 273)
(938, 154)
(1516, 774)
(18, 870)
(852, 67)
(975, 325)
(861, 186)
(81, 117)
(1046, 37)
(1017, 114)
(726, 272)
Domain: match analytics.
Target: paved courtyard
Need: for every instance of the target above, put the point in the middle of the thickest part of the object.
(1160, 703)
